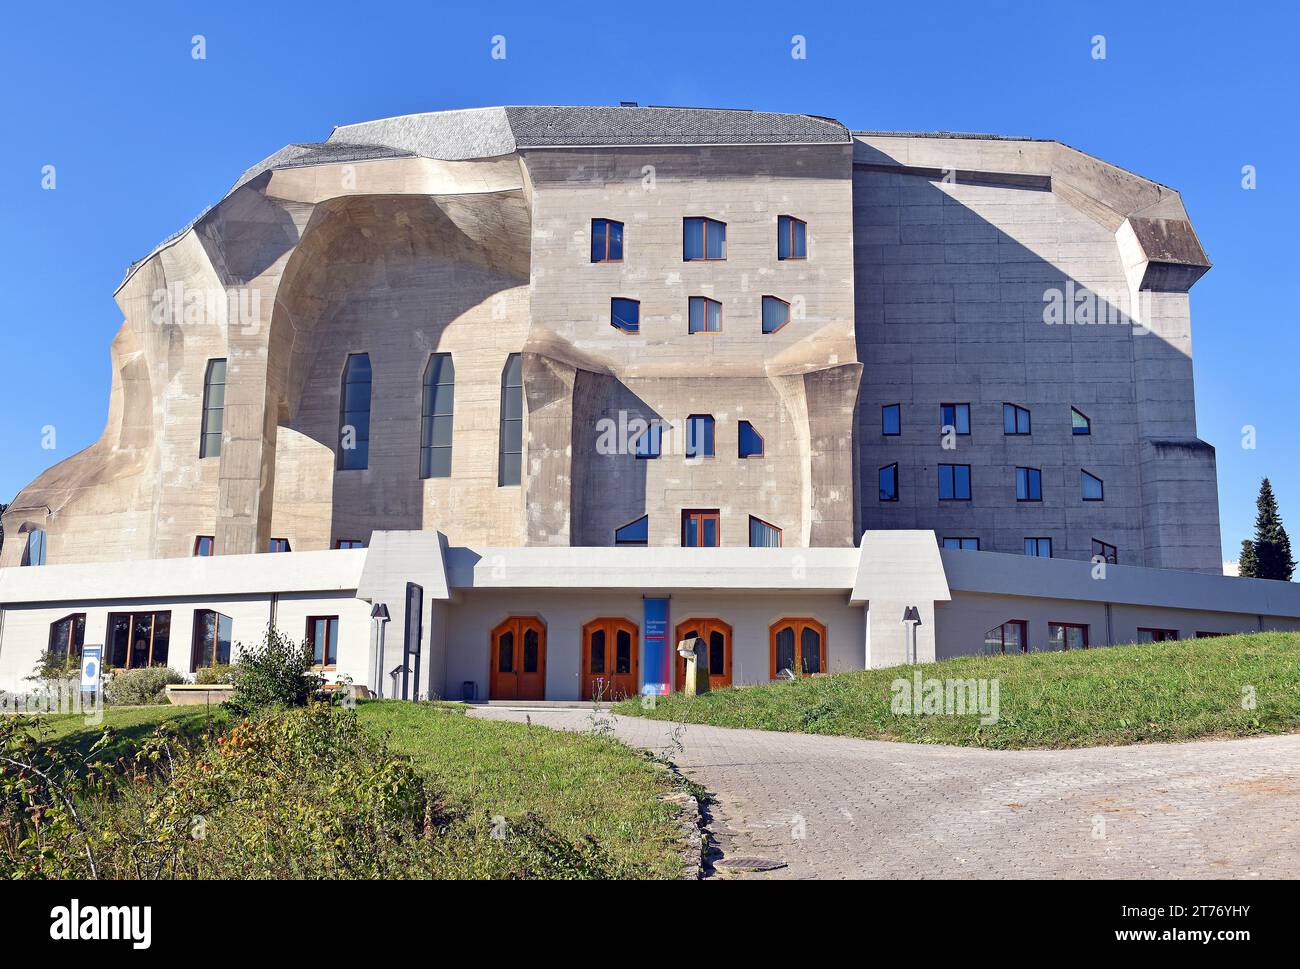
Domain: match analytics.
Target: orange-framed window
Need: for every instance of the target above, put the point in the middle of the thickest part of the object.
(776, 313)
(138, 639)
(700, 528)
(67, 636)
(703, 240)
(323, 638)
(798, 646)
(791, 238)
(606, 240)
(704, 315)
(212, 639)
(204, 545)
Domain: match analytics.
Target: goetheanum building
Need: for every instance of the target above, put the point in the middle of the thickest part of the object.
(560, 386)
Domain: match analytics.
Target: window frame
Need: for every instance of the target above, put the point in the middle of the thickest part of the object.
(429, 415)
(1040, 538)
(1002, 636)
(42, 547)
(613, 315)
(1029, 475)
(797, 624)
(1087, 422)
(1159, 635)
(970, 490)
(72, 618)
(107, 659)
(959, 547)
(507, 389)
(884, 432)
(1111, 557)
(1084, 475)
(641, 544)
(762, 441)
(790, 222)
(704, 514)
(1014, 411)
(710, 444)
(345, 544)
(271, 546)
(706, 300)
(198, 543)
(754, 519)
(704, 239)
(208, 409)
(325, 663)
(216, 632)
(654, 432)
(1065, 638)
(763, 314)
(342, 463)
(622, 241)
(880, 489)
(957, 407)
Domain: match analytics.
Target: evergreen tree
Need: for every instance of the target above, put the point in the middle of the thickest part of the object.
(1247, 567)
(1272, 545)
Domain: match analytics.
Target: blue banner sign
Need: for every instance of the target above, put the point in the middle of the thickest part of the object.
(658, 650)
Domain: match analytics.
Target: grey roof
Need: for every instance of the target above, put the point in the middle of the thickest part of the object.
(317, 153)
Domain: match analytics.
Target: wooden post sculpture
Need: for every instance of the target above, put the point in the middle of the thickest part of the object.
(696, 654)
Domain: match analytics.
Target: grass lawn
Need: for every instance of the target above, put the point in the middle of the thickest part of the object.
(582, 787)
(1143, 693)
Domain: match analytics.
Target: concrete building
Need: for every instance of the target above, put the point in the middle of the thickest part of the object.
(591, 343)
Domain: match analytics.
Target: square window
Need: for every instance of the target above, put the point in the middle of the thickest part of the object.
(625, 314)
(955, 416)
(1038, 548)
(700, 529)
(705, 315)
(1015, 419)
(1105, 551)
(703, 240)
(954, 482)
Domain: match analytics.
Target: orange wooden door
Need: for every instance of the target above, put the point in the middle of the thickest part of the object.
(518, 660)
(609, 660)
(717, 634)
(798, 645)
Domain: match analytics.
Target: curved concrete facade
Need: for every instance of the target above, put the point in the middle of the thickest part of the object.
(469, 233)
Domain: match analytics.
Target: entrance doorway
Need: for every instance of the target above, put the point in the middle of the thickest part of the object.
(518, 660)
(717, 634)
(609, 660)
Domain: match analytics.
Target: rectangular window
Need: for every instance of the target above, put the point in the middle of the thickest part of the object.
(791, 238)
(354, 414)
(700, 529)
(1146, 634)
(956, 417)
(776, 313)
(510, 461)
(214, 408)
(1011, 637)
(762, 534)
(1105, 552)
(67, 636)
(437, 415)
(348, 543)
(212, 638)
(1038, 548)
(1029, 484)
(34, 550)
(699, 436)
(1067, 635)
(204, 545)
(1079, 422)
(964, 544)
(649, 443)
(323, 638)
(704, 315)
(625, 314)
(278, 545)
(606, 240)
(891, 420)
(634, 533)
(954, 482)
(751, 443)
(1015, 419)
(138, 639)
(703, 240)
(1091, 486)
(889, 482)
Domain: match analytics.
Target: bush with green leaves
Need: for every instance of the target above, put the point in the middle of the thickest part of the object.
(54, 665)
(142, 687)
(277, 672)
(222, 673)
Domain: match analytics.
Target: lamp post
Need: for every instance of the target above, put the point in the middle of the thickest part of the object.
(911, 619)
(378, 613)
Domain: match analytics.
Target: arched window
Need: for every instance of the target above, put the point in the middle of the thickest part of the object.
(214, 408)
(510, 460)
(354, 414)
(798, 645)
(436, 420)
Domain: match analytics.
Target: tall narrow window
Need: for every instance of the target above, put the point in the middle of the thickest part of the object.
(1040, 548)
(204, 546)
(891, 420)
(955, 416)
(323, 639)
(606, 240)
(704, 315)
(354, 414)
(648, 444)
(212, 638)
(776, 313)
(954, 482)
(763, 534)
(436, 419)
(1079, 422)
(1105, 551)
(67, 637)
(1091, 486)
(1015, 419)
(699, 436)
(750, 443)
(700, 529)
(214, 407)
(889, 482)
(510, 463)
(634, 533)
(703, 239)
(625, 314)
(34, 551)
(791, 238)
(1029, 484)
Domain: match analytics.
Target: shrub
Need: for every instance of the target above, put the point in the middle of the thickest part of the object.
(275, 672)
(210, 675)
(52, 665)
(142, 687)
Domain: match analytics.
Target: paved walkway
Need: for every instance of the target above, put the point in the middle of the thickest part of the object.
(835, 807)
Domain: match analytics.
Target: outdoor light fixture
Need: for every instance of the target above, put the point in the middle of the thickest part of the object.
(379, 613)
(911, 619)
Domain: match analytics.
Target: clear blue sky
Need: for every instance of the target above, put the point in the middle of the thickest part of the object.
(143, 137)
